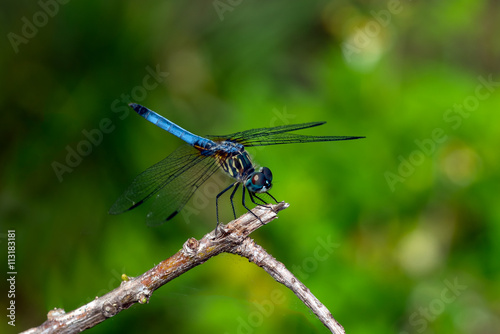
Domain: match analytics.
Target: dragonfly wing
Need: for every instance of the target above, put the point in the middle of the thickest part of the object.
(158, 178)
(279, 135)
(170, 200)
(291, 139)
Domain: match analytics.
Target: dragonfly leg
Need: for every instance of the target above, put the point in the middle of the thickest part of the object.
(217, 203)
(272, 197)
(260, 199)
(231, 198)
(245, 206)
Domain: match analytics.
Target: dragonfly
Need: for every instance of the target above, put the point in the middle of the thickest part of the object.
(174, 180)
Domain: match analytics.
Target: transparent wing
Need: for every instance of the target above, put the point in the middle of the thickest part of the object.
(171, 199)
(278, 135)
(179, 174)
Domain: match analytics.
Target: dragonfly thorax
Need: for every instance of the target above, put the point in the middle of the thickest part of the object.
(235, 161)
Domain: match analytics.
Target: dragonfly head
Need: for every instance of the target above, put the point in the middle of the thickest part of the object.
(261, 181)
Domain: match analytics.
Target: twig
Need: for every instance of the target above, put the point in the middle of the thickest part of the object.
(278, 271)
(232, 238)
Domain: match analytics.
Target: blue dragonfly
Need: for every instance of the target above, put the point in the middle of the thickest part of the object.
(174, 180)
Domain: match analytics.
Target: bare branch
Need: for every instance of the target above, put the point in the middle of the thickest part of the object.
(232, 238)
(278, 271)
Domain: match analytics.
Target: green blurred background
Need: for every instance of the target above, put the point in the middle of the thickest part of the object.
(395, 233)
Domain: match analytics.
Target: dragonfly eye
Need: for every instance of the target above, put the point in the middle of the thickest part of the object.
(267, 173)
(260, 182)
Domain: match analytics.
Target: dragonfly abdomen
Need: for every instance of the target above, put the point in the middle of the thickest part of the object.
(168, 125)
